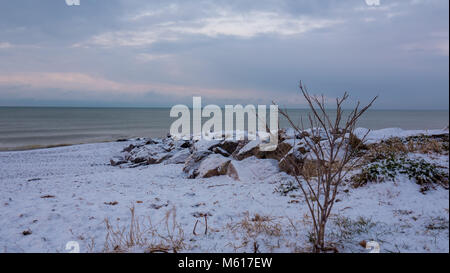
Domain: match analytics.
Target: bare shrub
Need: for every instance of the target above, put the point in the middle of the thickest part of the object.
(333, 149)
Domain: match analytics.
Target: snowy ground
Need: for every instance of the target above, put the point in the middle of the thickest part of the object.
(65, 194)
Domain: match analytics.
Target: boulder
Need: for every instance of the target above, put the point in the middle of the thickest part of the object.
(158, 158)
(184, 144)
(250, 149)
(213, 165)
(281, 150)
(117, 160)
(139, 156)
(153, 151)
(229, 145)
(146, 155)
(223, 147)
(218, 150)
(232, 172)
(179, 157)
(129, 148)
(151, 142)
(207, 164)
(204, 144)
(292, 162)
(193, 161)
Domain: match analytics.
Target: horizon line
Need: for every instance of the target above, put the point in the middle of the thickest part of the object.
(222, 107)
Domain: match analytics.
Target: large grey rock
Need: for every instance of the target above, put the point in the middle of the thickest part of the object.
(206, 164)
(129, 148)
(179, 157)
(281, 150)
(117, 160)
(193, 162)
(213, 165)
(252, 149)
(229, 145)
(218, 150)
(292, 162)
(139, 156)
(203, 145)
(150, 154)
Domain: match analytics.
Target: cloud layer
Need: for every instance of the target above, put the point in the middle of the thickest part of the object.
(160, 53)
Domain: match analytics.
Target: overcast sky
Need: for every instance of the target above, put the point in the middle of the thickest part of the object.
(161, 53)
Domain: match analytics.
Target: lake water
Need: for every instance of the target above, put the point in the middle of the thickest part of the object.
(35, 127)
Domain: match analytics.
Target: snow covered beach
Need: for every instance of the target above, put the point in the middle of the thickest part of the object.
(52, 196)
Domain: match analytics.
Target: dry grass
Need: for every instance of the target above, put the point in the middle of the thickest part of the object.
(256, 225)
(396, 146)
(165, 237)
(428, 146)
(253, 228)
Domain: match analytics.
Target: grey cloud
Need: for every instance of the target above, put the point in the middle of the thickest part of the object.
(398, 50)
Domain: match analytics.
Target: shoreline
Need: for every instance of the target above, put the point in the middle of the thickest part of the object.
(51, 146)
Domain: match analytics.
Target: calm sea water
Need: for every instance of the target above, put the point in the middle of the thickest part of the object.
(36, 127)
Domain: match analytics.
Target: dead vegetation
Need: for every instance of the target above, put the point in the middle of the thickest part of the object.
(397, 147)
(144, 236)
(254, 229)
(257, 224)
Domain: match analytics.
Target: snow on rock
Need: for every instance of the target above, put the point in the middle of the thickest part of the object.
(288, 133)
(219, 150)
(117, 160)
(193, 161)
(204, 144)
(374, 136)
(179, 157)
(150, 155)
(248, 150)
(229, 146)
(293, 160)
(253, 168)
(252, 149)
(205, 164)
(215, 165)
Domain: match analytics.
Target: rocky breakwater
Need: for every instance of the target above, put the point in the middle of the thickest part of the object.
(208, 158)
